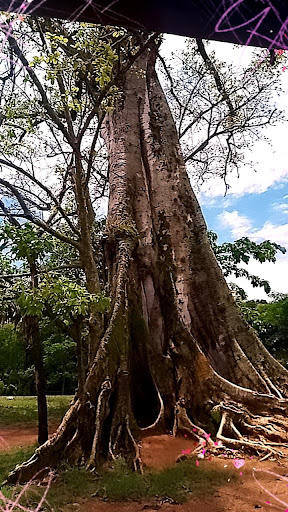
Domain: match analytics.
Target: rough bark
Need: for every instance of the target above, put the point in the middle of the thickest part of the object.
(177, 354)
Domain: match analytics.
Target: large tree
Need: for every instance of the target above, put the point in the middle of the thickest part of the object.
(174, 353)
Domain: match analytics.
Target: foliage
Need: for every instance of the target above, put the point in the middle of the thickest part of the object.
(62, 254)
(66, 299)
(13, 377)
(6, 264)
(62, 297)
(7, 303)
(26, 242)
(16, 362)
(269, 319)
(252, 316)
(271, 324)
(60, 363)
(91, 56)
(229, 255)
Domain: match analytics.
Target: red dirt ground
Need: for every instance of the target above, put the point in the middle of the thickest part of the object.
(18, 436)
(161, 451)
(244, 496)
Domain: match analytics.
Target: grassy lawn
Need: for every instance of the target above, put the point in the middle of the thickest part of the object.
(179, 482)
(23, 409)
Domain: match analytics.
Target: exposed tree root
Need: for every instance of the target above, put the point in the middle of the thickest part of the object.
(229, 439)
(102, 412)
(49, 454)
(184, 425)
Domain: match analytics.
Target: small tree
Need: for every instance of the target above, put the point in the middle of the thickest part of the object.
(25, 244)
(14, 377)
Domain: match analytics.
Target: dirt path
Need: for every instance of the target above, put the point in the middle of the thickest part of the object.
(160, 452)
(18, 436)
(244, 496)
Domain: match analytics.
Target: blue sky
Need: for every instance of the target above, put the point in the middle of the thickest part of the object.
(256, 204)
(259, 208)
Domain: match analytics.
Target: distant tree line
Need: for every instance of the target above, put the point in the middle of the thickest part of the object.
(17, 368)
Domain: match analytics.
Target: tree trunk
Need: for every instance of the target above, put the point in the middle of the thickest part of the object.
(63, 386)
(32, 332)
(177, 354)
(32, 326)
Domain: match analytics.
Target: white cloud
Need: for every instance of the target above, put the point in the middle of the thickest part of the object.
(269, 231)
(239, 224)
(272, 272)
(282, 207)
(250, 181)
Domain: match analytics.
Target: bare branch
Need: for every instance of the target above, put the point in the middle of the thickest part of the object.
(91, 152)
(22, 171)
(204, 144)
(220, 86)
(7, 214)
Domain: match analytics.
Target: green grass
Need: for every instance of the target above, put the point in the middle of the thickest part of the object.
(23, 409)
(8, 460)
(179, 482)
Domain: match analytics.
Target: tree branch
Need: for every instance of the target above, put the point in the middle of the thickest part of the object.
(94, 141)
(204, 144)
(44, 188)
(7, 214)
(212, 68)
(29, 215)
(45, 102)
(113, 81)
